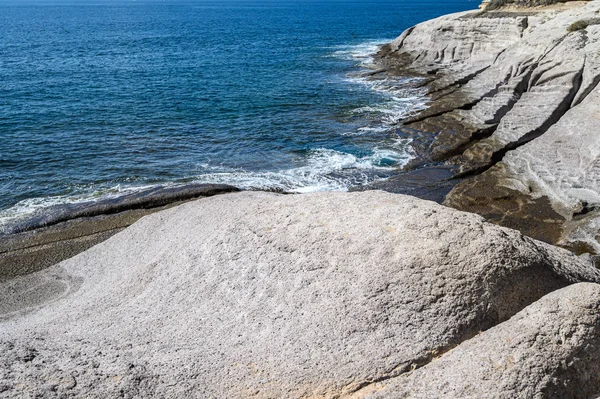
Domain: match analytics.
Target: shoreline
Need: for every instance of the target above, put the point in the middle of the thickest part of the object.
(509, 107)
(256, 294)
(54, 233)
(154, 197)
(52, 237)
(440, 171)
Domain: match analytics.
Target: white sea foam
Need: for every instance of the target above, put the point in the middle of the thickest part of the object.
(363, 52)
(400, 96)
(321, 170)
(374, 129)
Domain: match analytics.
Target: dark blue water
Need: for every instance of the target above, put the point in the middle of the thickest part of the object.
(101, 97)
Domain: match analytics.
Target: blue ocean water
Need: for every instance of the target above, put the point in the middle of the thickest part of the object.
(98, 98)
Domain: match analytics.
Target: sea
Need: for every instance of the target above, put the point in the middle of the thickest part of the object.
(102, 98)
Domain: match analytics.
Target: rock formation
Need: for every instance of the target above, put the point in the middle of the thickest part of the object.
(548, 350)
(322, 295)
(354, 295)
(515, 111)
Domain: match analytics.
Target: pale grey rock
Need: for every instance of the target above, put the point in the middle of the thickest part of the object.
(564, 165)
(553, 85)
(517, 123)
(497, 60)
(551, 349)
(464, 48)
(265, 295)
(459, 38)
(560, 164)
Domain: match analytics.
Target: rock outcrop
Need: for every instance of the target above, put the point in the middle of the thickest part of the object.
(515, 111)
(61, 232)
(266, 295)
(333, 295)
(548, 350)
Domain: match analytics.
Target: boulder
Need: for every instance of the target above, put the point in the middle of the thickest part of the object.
(551, 349)
(265, 295)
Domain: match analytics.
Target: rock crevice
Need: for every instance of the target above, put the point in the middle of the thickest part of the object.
(535, 77)
(264, 295)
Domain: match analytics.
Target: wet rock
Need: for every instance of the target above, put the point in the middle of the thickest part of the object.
(431, 183)
(489, 196)
(560, 166)
(147, 199)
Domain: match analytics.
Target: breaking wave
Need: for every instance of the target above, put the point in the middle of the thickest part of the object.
(320, 169)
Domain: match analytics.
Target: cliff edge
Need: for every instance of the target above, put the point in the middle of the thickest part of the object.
(514, 114)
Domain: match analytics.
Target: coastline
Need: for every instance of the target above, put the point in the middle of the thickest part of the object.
(67, 230)
(212, 291)
(50, 234)
(510, 108)
(451, 164)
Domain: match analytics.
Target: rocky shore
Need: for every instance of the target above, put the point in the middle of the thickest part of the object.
(320, 295)
(514, 115)
(63, 231)
(349, 295)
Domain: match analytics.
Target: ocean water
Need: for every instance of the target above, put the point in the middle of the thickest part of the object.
(100, 98)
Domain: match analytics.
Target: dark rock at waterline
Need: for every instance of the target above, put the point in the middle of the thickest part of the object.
(64, 231)
(319, 295)
(146, 199)
(431, 182)
(486, 196)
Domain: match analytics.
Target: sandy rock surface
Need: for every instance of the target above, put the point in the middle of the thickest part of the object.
(265, 295)
(548, 350)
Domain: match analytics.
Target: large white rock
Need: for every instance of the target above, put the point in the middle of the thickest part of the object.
(524, 102)
(555, 84)
(548, 350)
(265, 295)
(459, 37)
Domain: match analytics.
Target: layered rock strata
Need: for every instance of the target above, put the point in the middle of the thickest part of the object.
(515, 112)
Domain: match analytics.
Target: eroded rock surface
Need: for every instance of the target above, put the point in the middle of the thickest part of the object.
(515, 105)
(560, 168)
(549, 350)
(266, 295)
